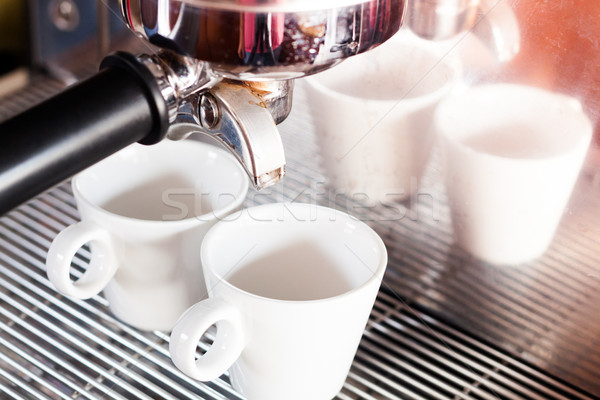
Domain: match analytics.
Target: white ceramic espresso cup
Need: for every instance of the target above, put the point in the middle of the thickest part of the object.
(291, 287)
(373, 114)
(145, 211)
(513, 154)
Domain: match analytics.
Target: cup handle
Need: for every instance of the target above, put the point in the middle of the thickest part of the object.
(99, 272)
(188, 331)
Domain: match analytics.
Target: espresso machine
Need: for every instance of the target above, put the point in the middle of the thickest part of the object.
(444, 325)
(225, 68)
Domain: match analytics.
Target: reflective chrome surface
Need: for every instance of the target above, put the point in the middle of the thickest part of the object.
(442, 19)
(238, 117)
(265, 45)
(242, 116)
(272, 5)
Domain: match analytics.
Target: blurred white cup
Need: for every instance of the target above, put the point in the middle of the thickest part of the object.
(373, 113)
(512, 157)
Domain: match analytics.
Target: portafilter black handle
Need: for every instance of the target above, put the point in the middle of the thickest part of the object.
(120, 105)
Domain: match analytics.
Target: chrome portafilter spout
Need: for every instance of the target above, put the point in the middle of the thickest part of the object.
(240, 115)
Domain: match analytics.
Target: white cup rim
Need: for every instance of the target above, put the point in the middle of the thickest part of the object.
(579, 138)
(452, 64)
(239, 198)
(376, 277)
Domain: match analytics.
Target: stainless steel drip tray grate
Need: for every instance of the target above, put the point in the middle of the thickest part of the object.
(421, 353)
(53, 347)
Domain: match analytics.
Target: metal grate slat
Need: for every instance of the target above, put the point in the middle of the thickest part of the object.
(9, 392)
(42, 383)
(116, 352)
(430, 386)
(22, 386)
(46, 369)
(80, 348)
(58, 361)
